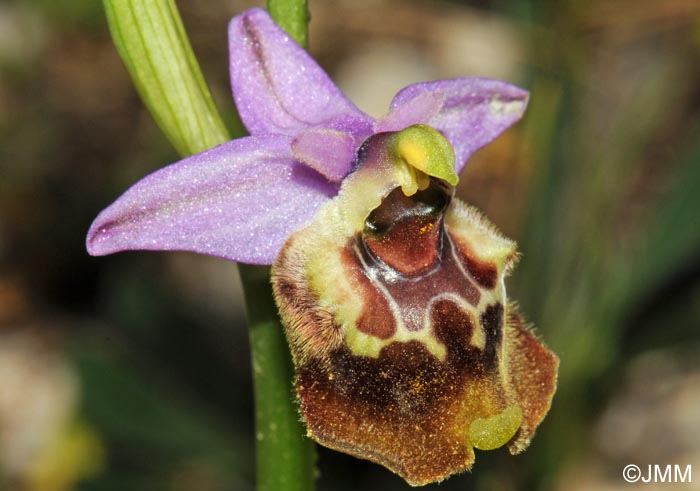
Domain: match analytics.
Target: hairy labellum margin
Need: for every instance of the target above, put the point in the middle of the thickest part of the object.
(407, 352)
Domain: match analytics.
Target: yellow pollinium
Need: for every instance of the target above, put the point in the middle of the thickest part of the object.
(422, 152)
(495, 431)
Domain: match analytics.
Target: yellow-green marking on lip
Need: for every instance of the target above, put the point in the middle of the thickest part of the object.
(495, 431)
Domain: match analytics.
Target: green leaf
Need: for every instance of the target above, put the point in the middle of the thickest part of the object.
(151, 40)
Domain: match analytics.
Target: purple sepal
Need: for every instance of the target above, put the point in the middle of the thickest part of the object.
(476, 110)
(279, 88)
(240, 201)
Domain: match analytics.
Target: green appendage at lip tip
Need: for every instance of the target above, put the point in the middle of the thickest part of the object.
(424, 148)
(495, 431)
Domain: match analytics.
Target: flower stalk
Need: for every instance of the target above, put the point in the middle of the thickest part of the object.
(285, 457)
(150, 38)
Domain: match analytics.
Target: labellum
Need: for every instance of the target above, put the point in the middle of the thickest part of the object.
(407, 351)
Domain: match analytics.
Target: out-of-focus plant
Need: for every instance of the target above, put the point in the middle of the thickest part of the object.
(44, 443)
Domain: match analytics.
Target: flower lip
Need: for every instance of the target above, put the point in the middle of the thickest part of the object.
(406, 349)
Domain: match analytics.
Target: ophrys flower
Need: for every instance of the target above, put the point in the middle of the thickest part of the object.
(391, 291)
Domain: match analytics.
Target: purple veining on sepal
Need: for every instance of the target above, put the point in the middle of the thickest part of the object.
(475, 112)
(279, 88)
(239, 201)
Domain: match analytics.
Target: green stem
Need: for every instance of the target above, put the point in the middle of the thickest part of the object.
(152, 42)
(285, 457)
(293, 17)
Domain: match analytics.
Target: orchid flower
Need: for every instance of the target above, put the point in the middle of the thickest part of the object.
(391, 291)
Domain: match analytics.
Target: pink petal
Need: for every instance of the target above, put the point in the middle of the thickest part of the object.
(279, 88)
(240, 200)
(332, 153)
(475, 112)
(418, 110)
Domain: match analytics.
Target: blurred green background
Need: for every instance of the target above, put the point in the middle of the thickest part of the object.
(131, 372)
